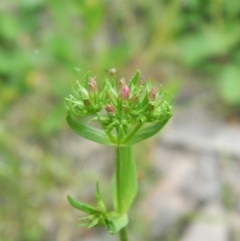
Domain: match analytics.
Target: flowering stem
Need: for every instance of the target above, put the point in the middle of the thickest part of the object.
(125, 179)
(125, 182)
(118, 179)
(121, 110)
(123, 159)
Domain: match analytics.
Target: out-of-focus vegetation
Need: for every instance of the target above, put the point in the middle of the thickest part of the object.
(45, 45)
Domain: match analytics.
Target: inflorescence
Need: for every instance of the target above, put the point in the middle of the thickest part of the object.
(119, 104)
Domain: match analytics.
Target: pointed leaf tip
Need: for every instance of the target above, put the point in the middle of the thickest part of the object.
(134, 79)
(80, 206)
(88, 132)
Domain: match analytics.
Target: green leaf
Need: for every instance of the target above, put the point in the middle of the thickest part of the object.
(146, 132)
(86, 80)
(93, 222)
(134, 79)
(81, 206)
(229, 84)
(88, 132)
(100, 203)
(116, 222)
(125, 183)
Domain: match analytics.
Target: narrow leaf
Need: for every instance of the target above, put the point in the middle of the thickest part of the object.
(100, 203)
(88, 132)
(146, 132)
(86, 80)
(134, 79)
(81, 206)
(93, 222)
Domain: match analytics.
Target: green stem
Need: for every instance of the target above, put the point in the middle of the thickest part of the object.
(123, 235)
(118, 179)
(125, 183)
(119, 176)
(125, 178)
(109, 134)
(137, 127)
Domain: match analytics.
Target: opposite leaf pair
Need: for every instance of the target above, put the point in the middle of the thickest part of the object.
(98, 216)
(127, 111)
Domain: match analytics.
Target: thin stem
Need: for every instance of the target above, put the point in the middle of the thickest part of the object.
(126, 178)
(110, 135)
(118, 179)
(126, 183)
(123, 232)
(137, 127)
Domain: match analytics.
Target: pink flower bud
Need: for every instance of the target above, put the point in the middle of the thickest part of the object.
(124, 92)
(110, 109)
(152, 94)
(92, 85)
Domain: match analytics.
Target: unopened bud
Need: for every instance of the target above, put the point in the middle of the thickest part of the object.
(124, 93)
(92, 85)
(142, 118)
(134, 99)
(150, 107)
(125, 109)
(122, 83)
(152, 94)
(112, 71)
(87, 102)
(110, 109)
(83, 92)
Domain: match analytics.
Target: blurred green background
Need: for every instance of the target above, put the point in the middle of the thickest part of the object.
(46, 45)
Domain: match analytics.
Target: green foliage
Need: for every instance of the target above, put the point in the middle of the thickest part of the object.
(60, 40)
(98, 216)
(44, 45)
(230, 85)
(209, 40)
(29, 180)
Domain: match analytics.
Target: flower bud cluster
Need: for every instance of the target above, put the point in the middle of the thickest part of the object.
(85, 99)
(120, 103)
